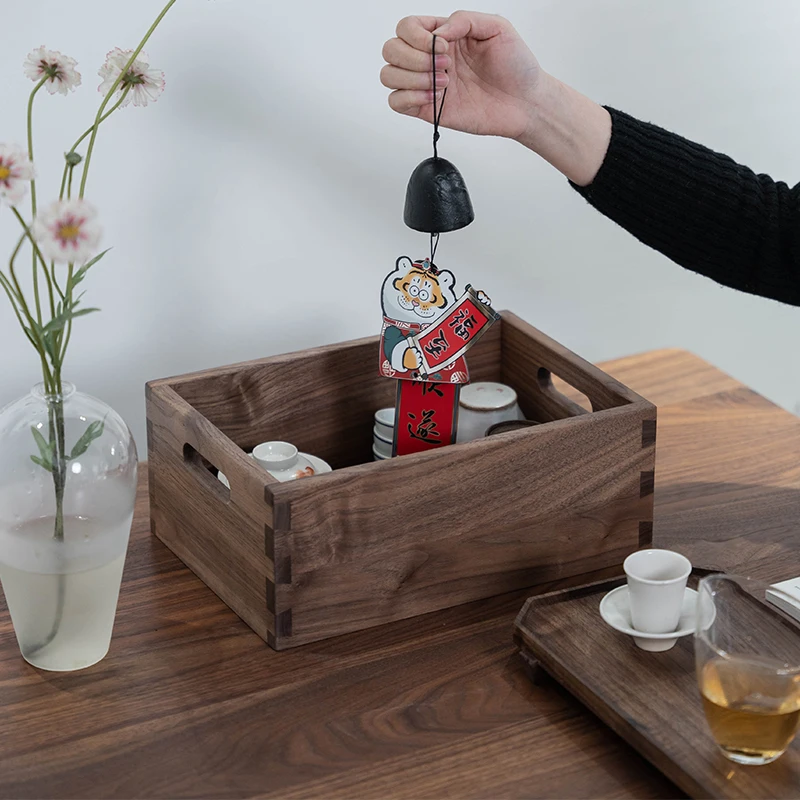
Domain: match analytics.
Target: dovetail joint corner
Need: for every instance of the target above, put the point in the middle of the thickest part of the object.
(648, 433)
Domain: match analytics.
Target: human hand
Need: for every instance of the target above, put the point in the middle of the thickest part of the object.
(492, 77)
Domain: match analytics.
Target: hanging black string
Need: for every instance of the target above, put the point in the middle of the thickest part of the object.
(436, 117)
(434, 244)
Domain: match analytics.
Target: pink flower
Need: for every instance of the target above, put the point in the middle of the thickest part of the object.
(144, 84)
(59, 70)
(68, 231)
(16, 171)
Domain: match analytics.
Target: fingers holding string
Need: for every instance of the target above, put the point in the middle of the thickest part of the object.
(414, 103)
(417, 32)
(402, 55)
(395, 78)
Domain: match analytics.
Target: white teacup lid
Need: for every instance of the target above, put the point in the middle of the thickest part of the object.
(487, 396)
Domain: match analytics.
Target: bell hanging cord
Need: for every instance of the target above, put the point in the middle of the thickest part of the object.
(434, 245)
(436, 117)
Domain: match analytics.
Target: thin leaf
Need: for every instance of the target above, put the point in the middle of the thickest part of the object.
(50, 346)
(46, 450)
(59, 321)
(94, 431)
(83, 312)
(81, 273)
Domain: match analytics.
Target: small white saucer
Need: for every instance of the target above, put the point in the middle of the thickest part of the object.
(616, 611)
(320, 467)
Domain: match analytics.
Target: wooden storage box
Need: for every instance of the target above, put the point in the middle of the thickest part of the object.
(373, 542)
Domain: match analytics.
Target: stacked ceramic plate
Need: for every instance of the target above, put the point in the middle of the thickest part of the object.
(383, 434)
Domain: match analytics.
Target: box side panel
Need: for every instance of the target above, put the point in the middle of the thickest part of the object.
(530, 359)
(422, 533)
(321, 400)
(219, 535)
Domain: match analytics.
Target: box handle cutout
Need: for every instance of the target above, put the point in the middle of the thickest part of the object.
(544, 378)
(201, 468)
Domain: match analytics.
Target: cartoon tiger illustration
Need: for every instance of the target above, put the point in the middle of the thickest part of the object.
(417, 291)
(412, 297)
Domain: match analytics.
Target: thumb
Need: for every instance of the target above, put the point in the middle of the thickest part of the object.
(471, 24)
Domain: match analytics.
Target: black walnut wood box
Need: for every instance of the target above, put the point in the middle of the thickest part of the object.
(374, 542)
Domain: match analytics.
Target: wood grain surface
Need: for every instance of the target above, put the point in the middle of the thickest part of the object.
(191, 703)
(372, 543)
(652, 700)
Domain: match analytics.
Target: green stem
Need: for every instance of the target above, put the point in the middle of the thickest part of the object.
(38, 259)
(55, 280)
(12, 294)
(62, 350)
(9, 289)
(113, 89)
(68, 167)
(33, 192)
(57, 438)
(34, 328)
(16, 249)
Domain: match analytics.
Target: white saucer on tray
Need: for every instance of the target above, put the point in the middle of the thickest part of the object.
(319, 466)
(615, 609)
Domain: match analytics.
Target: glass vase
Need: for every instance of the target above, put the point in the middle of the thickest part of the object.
(67, 490)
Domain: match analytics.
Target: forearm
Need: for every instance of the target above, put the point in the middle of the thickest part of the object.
(567, 129)
(698, 207)
(701, 209)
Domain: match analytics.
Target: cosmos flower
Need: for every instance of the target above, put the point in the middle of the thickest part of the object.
(67, 231)
(143, 83)
(16, 171)
(60, 70)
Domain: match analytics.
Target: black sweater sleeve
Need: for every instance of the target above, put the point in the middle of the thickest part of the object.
(701, 209)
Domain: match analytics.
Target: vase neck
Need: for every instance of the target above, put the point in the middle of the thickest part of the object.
(40, 393)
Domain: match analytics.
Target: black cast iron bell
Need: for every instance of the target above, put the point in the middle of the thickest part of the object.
(437, 199)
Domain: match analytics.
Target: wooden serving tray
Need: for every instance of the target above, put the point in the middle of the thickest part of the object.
(650, 699)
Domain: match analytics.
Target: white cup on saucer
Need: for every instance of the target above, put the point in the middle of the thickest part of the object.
(283, 461)
(656, 587)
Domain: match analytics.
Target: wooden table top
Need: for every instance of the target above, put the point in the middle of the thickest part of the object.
(191, 703)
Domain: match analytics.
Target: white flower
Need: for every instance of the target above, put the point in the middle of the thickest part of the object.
(144, 84)
(16, 170)
(59, 69)
(67, 231)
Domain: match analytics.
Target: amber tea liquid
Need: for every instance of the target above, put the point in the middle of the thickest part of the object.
(752, 711)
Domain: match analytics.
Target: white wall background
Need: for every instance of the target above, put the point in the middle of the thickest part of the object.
(272, 168)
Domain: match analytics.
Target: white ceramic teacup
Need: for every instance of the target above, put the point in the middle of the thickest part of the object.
(384, 423)
(482, 405)
(656, 585)
(381, 446)
(283, 461)
(378, 456)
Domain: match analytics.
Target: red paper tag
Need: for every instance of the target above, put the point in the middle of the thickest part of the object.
(426, 416)
(450, 336)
